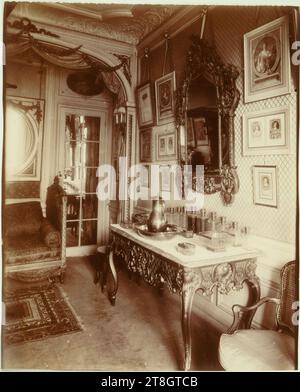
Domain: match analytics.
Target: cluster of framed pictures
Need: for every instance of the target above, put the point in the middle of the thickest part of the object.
(157, 107)
(267, 75)
(162, 105)
(164, 142)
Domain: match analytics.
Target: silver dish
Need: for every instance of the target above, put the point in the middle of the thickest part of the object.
(186, 248)
(170, 232)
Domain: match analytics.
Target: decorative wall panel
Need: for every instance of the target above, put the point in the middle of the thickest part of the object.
(23, 138)
(22, 190)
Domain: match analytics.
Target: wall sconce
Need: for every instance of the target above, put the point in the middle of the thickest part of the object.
(120, 115)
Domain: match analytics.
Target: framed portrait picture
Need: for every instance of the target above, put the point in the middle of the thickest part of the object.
(145, 107)
(146, 145)
(266, 132)
(200, 130)
(166, 146)
(190, 135)
(164, 96)
(265, 185)
(267, 61)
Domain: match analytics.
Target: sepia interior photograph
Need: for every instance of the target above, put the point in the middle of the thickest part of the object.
(149, 186)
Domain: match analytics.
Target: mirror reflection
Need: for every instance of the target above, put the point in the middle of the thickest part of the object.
(205, 105)
(202, 124)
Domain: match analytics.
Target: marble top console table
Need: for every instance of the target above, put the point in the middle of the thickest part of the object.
(159, 263)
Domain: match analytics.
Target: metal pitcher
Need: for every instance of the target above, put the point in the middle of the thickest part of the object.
(157, 220)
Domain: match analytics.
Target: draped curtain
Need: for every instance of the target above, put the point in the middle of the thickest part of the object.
(70, 58)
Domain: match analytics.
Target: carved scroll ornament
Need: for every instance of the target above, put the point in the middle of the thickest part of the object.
(70, 58)
(157, 270)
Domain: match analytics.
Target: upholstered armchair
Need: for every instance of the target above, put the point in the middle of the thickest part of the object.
(253, 349)
(34, 246)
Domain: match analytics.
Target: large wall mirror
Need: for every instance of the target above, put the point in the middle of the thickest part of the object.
(206, 102)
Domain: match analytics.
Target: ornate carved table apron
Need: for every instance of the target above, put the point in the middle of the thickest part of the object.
(158, 262)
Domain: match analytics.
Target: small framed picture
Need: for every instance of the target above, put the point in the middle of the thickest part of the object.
(266, 132)
(267, 61)
(146, 145)
(166, 145)
(145, 176)
(165, 178)
(200, 130)
(190, 135)
(164, 94)
(145, 107)
(265, 185)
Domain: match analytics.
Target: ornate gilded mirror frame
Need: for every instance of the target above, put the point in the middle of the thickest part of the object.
(202, 59)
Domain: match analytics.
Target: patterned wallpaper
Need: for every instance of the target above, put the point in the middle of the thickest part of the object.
(276, 223)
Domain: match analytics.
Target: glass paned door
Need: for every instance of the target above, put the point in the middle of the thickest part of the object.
(82, 146)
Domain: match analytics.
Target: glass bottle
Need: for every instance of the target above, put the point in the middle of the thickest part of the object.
(203, 220)
(192, 220)
(167, 213)
(176, 216)
(222, 226)
(182, 222)
(211, 222)
(171, 216)
(181, 217)
(185, 218)
(236, 234)
(197, 223)
(245, 236)
(217, 242)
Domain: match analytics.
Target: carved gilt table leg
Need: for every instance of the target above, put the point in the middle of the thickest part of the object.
(190, 285)
(113, 293)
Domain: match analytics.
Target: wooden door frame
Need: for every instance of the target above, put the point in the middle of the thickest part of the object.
(104, 112)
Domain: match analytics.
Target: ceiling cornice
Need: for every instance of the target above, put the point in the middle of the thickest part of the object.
(185, 17)
(128, 30)
(119, 12)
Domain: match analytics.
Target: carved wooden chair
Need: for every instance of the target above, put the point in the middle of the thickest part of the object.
(34, 246)
(250, 349)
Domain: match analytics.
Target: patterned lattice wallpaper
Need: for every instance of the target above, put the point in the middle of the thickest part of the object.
(277, 223)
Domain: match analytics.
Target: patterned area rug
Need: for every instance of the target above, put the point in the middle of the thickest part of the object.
(38, 313)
